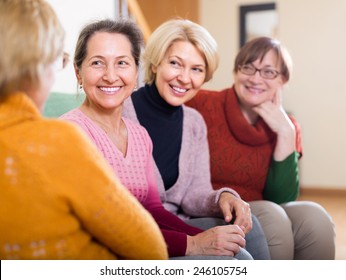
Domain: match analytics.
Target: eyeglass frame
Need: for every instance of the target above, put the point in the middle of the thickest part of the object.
(241, 68)
(62, 61)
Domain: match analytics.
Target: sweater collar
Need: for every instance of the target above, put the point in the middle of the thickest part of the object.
(17, 107)
(153, 97)
(253, 135)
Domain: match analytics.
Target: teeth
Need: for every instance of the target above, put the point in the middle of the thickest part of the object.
(109, 89)
(181, 90)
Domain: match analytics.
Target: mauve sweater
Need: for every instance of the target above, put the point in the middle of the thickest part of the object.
(136, 172)
(192, 195)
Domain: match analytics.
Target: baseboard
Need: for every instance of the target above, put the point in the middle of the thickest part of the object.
(322, 191)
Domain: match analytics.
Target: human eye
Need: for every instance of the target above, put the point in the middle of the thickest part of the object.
(247, 68)
(123, 63)
(174, 63)
(198, 69)
(269, 73)
(97, 63)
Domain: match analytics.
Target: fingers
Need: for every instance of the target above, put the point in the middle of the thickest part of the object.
(230, 204)
(243, 215)
(226, 210)
(221, 240)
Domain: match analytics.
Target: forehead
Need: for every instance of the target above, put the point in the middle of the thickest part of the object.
(268, 59)
(106, 41)
(186, 51)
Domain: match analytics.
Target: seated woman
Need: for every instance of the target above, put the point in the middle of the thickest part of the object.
(180, 56)
(50, 206)
(106, 64)
(255, 147)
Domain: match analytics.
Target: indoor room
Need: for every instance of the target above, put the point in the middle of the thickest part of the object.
(315, 95)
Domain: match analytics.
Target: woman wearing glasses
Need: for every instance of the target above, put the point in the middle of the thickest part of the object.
(255, 147)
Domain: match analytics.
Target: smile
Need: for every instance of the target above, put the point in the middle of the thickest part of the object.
(178, 90)
(110, 90)
(254, 90)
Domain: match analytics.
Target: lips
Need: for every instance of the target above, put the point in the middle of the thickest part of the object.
(254, 90)
(179, 91)
(110, 90)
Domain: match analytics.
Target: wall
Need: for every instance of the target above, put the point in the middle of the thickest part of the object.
(313, 31)
(73, 15)
(157, 11)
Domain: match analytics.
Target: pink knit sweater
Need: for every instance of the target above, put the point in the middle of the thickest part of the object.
(136, 172)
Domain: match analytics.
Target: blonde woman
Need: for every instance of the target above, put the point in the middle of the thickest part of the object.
(180, 56)
(50, 206)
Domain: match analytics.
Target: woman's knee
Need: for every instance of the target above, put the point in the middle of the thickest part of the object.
(313, 229)
(277, 228)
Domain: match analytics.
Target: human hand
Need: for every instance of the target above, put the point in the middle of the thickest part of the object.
(277, 119)
(217, 241)
(229, 204)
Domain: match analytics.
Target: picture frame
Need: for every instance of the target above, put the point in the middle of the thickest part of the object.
(257, 20)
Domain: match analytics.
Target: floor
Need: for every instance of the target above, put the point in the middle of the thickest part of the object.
(334, 201)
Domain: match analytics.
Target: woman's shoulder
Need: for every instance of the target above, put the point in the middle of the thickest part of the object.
(206, 99)
(62, 130)
(191, 114)
(194, 121)
(135, 126)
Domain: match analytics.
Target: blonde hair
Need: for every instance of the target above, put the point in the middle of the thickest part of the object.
(31, 37)
(179, 30)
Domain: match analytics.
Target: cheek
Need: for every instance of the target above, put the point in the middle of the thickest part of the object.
(131, 77)
(240, 79)
(198, 81)
(49, 79)
(90, 77)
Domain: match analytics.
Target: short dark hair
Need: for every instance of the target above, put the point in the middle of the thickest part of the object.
(257, 48)
(125, 27)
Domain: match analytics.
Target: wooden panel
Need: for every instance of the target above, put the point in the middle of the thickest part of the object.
(158, 11)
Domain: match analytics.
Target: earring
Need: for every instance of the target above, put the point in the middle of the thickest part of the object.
(80, 88)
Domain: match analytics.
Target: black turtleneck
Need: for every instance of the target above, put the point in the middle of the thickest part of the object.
(164, 124)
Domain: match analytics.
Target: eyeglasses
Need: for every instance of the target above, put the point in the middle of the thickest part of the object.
(61, 61)
(266, 73)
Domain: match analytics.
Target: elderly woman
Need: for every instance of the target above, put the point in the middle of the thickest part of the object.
(255, 148)
(180, 56)
(50, 206)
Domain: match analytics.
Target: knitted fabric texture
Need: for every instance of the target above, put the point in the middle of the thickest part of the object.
(59, 199)
(240, 153)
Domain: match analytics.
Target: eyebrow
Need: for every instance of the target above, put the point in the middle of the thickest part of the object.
(195, 65)
(117, 57)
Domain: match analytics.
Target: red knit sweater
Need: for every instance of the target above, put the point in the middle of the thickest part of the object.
(240, 153)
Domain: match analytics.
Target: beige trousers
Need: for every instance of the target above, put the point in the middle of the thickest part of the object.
(301, 230)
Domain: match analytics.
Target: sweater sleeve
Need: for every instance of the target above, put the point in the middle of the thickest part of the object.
(174, 230)
(282, 184)
(199, 199)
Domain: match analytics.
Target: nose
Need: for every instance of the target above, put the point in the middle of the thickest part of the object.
(256, 77)
(110, 74)
(184, 76)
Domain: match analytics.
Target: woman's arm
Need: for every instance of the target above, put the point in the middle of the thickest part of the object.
(282, 183)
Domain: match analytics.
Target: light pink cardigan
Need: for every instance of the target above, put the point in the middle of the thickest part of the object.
(192, 193)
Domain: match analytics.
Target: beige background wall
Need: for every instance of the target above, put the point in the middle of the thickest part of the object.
(314, 33)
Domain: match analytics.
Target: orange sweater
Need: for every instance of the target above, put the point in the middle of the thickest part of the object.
(59, 198)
